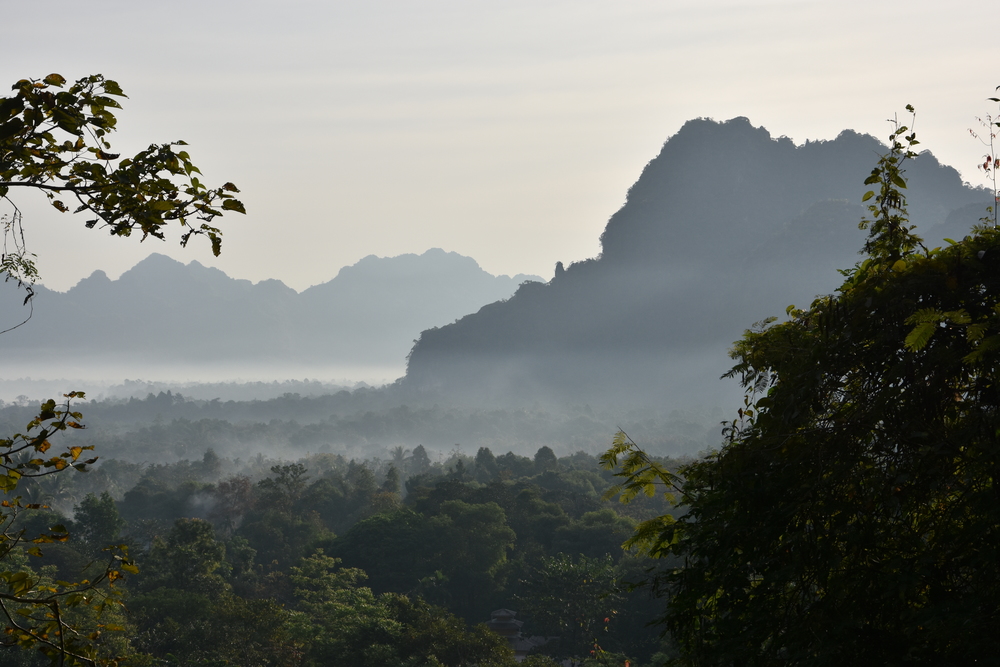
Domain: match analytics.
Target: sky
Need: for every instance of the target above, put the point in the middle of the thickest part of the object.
(506, 131)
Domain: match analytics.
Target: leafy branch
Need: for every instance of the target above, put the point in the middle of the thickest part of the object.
(33, 607)
(641, 474)
(57, 142)
(991, 163)
(889, 235)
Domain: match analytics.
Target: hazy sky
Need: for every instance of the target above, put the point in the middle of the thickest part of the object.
(507, 131)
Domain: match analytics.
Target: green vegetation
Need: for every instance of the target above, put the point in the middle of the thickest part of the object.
(328, 561)
(62, 616)
(56, 142)
(851, 517)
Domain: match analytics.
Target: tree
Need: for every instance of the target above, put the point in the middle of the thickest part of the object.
(486, 465)
(545, 459)
(573, 598)
(471, 542)
(395, 549)
(851, 516)
(341, 622)
(97, 522)
(188, 612)
(419, 462)
(57, 142)
(188, 559)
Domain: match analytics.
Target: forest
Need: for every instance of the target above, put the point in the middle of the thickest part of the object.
(334, 561)
(362, 423)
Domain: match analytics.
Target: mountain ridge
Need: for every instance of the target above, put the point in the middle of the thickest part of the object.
(171, 312)
(725, 226)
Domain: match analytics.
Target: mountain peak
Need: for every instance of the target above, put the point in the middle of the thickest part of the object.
(725, 226)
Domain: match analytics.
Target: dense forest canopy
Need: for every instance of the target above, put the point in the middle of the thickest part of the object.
(329, 561)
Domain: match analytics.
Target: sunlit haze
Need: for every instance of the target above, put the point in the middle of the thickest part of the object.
(508, 132)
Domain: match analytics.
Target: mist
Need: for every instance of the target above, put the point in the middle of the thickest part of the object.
(430, 350)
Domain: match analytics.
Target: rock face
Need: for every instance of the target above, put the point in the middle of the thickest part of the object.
(725, 227)
(164, 311)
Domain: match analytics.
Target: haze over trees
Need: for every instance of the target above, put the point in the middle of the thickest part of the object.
(328, 560)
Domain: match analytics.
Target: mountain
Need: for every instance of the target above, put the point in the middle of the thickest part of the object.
(373, 305)
(162, 313)
(726, 226)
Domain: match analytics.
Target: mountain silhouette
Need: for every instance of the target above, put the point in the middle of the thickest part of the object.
(726, 226)
(164, 312)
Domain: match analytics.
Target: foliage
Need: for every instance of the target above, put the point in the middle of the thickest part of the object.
(107, 627)
(574, 599)
(471, 543)
(889, 235)
(56, 142)
(189, 613)
(648, 477)
(96, 522)
(284, 522)
(188, 559)
(851, 516)
(545, 459)
(37, 611)
(344, 623)
(184, 628)
(990, 165)
(594, 534)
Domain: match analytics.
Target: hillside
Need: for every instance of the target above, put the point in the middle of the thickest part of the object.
(726, 226)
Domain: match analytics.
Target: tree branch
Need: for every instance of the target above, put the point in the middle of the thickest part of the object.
(43, 186)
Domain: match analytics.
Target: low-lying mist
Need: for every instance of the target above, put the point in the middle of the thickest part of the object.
(115, 378)
(361, 423)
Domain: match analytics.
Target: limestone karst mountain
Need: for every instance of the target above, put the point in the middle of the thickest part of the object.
(726, 226)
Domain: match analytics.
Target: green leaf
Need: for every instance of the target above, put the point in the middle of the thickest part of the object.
(112, 88)
(975, 332)
(233, 205)
(921, 334)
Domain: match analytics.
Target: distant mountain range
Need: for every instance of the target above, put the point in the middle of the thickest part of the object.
(726, 226)
(162, 313)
